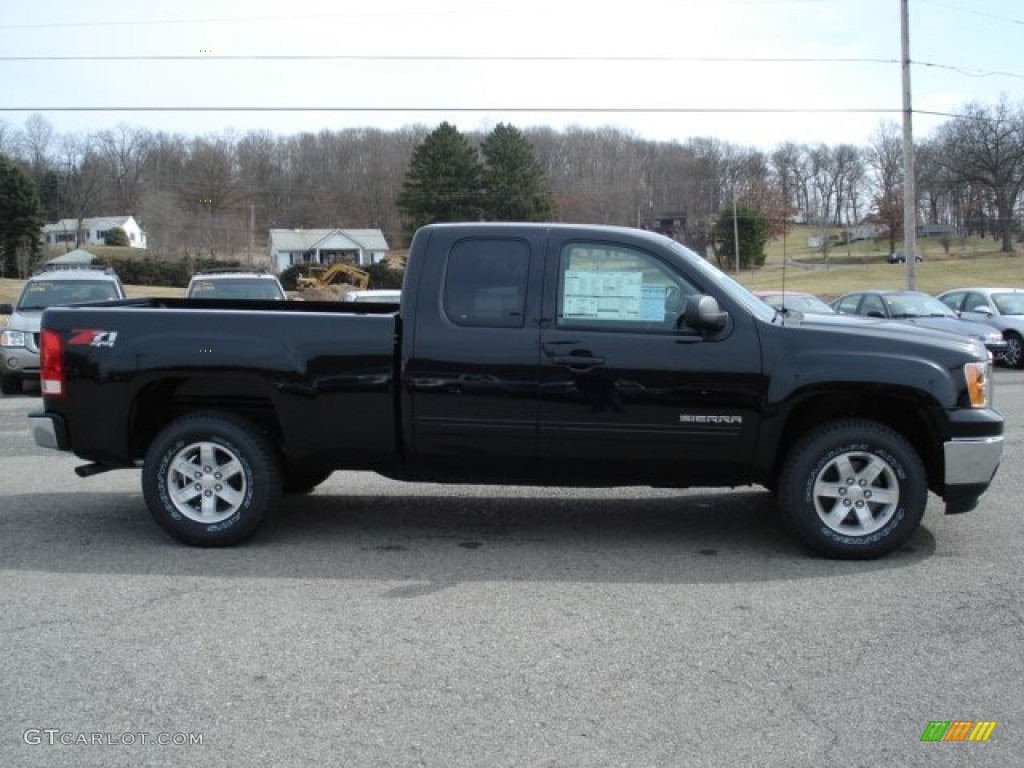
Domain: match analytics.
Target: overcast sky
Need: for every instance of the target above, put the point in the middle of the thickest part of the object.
(663, 69)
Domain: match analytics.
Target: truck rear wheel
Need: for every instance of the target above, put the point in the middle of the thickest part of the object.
(853, 489)
(210, 478)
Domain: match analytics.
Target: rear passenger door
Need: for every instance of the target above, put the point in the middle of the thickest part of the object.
(472, 378)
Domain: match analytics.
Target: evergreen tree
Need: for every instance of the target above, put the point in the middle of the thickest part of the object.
(443, 181)
(515, 188)
(20, 218)
(754, 231)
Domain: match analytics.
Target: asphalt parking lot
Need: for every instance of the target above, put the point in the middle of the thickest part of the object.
(380, 624)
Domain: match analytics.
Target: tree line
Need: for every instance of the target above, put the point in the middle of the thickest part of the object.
(218, 194)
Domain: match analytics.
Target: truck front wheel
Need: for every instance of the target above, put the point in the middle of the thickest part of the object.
(209, 479)
(853, 489)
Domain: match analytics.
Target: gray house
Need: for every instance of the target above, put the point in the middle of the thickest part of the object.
(361, 247)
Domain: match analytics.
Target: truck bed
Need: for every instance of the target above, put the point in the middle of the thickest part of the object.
(319, 375)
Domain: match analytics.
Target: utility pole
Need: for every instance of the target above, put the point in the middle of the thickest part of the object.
(909, 191)
(735, 230)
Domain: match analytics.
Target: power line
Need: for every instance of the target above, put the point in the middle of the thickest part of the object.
(517, 59)
(974, 12)
(462, 58)
(335, 16)
(553, 110)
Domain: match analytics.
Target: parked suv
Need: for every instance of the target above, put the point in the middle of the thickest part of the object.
(52, 287)
(235, 284)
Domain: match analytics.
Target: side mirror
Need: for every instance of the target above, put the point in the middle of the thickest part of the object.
(703, 313)
(876, 313)
(982, 310)
(6, 309)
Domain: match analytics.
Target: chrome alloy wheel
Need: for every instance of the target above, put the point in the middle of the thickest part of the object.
(206, 482)
(856, 493)
(1014, 351)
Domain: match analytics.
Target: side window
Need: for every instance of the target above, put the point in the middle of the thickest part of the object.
(952, 300)
(848, 305)
(974, 302)
(485, 283)
(873, 305)
(610, 286)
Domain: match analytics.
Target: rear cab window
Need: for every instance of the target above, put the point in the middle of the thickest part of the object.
(485, 283)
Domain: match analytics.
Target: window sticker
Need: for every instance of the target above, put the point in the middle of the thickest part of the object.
(602, 295)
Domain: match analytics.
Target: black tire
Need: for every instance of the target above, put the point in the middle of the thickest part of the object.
(1014, 355)
(853, 489)
(304, 480)
(231, 479)
(10, 385)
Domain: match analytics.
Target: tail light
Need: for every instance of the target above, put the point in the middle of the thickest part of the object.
(51, 364)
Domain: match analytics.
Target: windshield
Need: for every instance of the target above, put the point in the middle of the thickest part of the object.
(1009, 303)
(40, 294)
(234, 288)
(735, 291)
(916, 305)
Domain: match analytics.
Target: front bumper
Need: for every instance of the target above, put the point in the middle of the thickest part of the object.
(49, 431)
(971, 463)
(19, 361)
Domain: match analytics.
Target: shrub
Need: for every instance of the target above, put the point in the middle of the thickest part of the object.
(116, 236)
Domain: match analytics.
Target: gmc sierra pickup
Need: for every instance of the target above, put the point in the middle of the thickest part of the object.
(526, 354)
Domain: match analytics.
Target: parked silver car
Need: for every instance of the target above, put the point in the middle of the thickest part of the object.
(807, 303)
(19, 340)
(919, 309)
(235, 284)
(1002, 308)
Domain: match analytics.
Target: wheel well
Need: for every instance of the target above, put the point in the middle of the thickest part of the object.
(904, 413)
(161, 402)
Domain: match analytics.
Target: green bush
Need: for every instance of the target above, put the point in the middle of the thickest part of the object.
(383, 276)
(174, 274)
(116, 236)
(290, 277)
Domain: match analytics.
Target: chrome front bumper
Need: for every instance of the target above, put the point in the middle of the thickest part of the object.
(972, 461)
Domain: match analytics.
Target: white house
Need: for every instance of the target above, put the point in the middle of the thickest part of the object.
(94, 231)
(361, 247)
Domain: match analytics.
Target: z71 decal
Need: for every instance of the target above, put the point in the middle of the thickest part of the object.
(92, 338)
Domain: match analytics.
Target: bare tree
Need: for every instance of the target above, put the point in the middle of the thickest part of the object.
(885, 158)
(124, 151)
(36, 144)
(82, 171)
(985, 147)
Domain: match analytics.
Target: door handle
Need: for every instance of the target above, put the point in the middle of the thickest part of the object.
(578, 362)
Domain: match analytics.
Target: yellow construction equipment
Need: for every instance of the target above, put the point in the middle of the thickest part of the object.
(321, 277)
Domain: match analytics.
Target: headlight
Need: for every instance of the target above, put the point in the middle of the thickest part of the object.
(978, 383)
(12, 339)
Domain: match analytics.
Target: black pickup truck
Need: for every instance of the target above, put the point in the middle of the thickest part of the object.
(525, 354)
